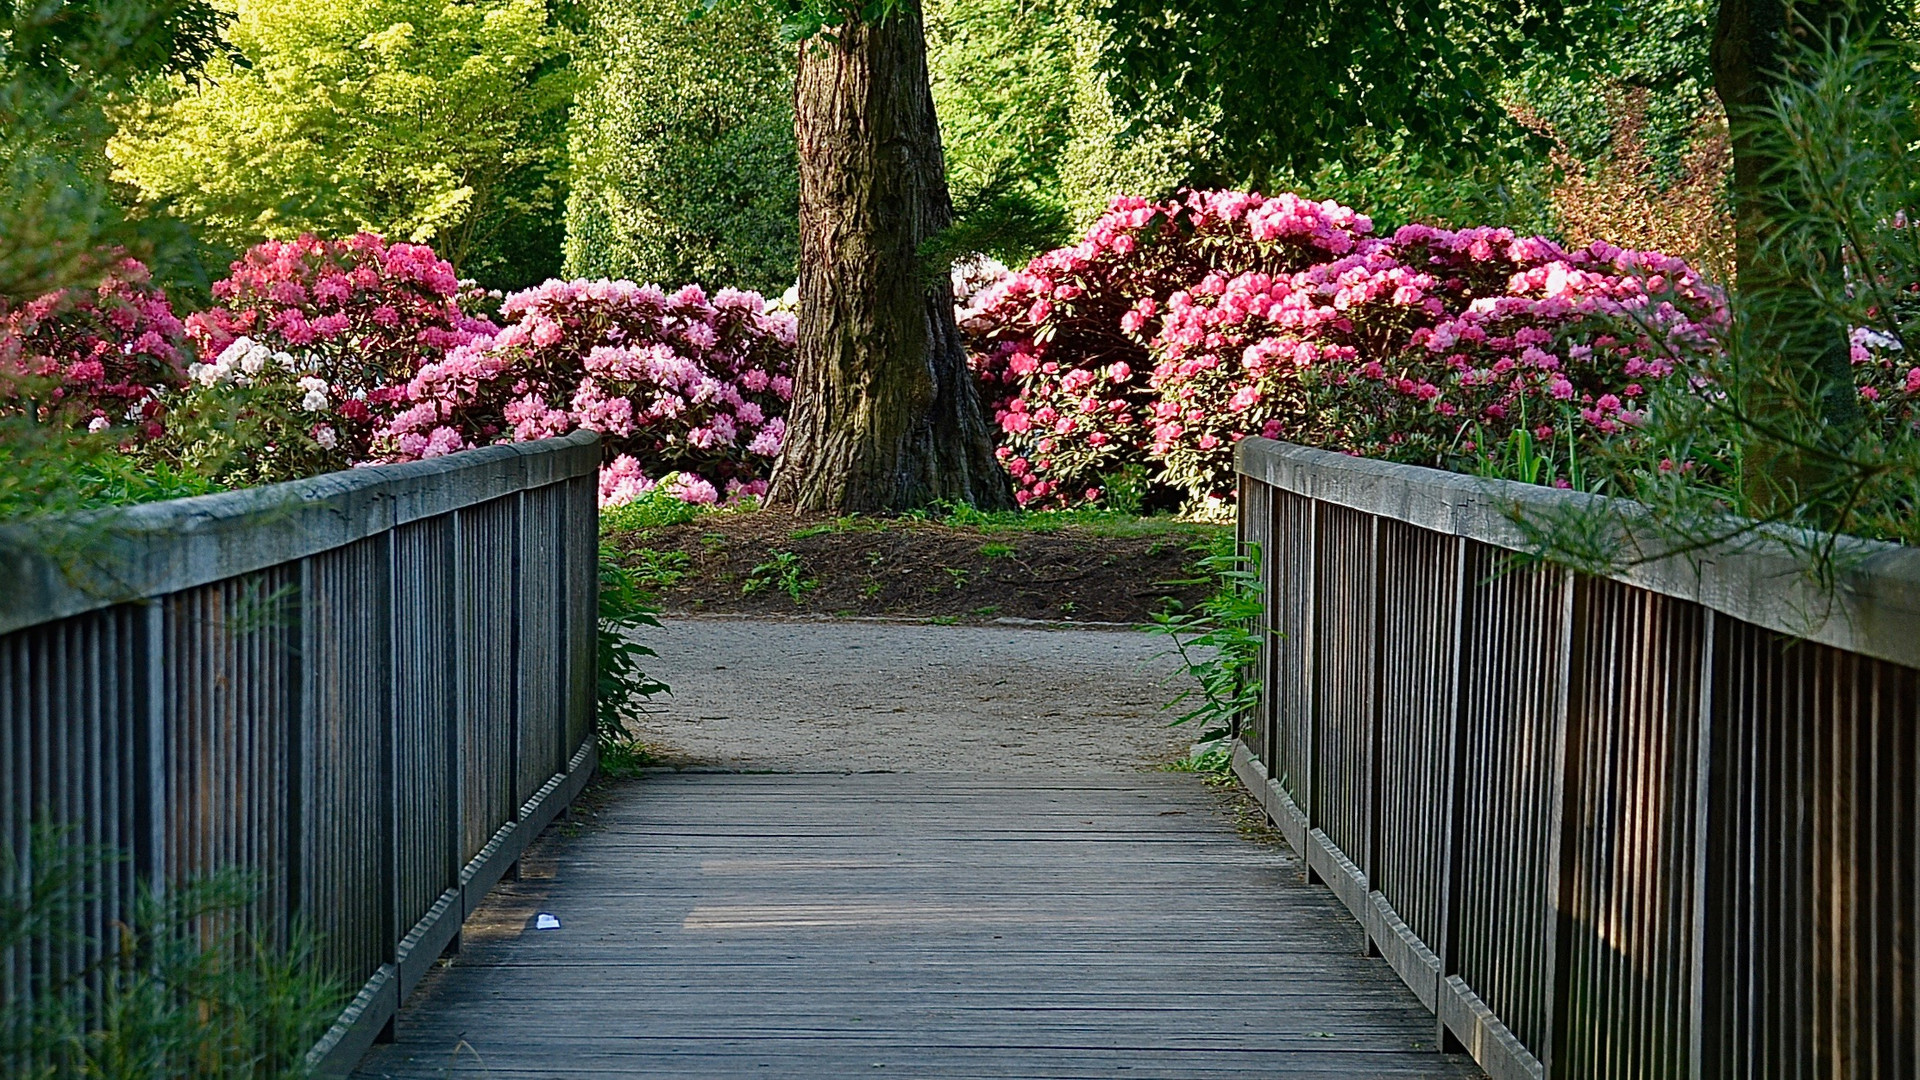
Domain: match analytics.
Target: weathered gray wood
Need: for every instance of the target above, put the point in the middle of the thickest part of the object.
(1872, 611)
(268, 708)
(1671, 840)
(824, 925)
(59, 568)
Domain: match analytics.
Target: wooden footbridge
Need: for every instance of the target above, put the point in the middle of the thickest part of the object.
(1657, 823)
(725, 925)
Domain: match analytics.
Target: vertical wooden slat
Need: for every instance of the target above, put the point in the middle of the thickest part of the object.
(1708, 856)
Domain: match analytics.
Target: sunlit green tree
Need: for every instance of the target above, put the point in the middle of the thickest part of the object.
(423, 120)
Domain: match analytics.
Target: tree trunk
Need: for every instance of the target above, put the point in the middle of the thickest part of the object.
(885, 413)
(1797, 369)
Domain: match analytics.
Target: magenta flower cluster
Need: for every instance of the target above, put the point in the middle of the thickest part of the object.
(676, 383)
(332, 353)
(103, 358)
(1175, 329)
(354, 320)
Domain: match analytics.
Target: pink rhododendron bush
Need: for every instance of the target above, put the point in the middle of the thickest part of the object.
(1175, 329)
(685, 389)
(315, 342)
(102, 358)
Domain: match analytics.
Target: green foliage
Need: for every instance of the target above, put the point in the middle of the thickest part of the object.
(1094, 521)
(1007, 220)
(661, 569)
(784, 572)
(653, 509)
(1841, 252)
(1281, 85)
(1218, 643)
(622, 687)
(1529, 460)
(683, 148)
(185, 989)
(421, 120)
(49, 469)
(802, 19)
(61, 64)
(1407, 110)
(628, 758)
(1400, 182)
(1002, 73)
(1657, 45)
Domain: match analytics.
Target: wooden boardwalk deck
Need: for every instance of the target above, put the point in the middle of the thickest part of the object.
(923, 925)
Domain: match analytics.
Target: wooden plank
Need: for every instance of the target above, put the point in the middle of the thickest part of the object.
(821, 925)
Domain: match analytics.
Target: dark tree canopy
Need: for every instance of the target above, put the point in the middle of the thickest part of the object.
(1289, 84)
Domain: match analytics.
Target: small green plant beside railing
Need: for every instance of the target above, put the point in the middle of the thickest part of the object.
(622, 686)
(186, 990)
(1218, 645)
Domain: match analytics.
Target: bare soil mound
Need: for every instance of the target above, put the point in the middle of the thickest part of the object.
(1100, 570)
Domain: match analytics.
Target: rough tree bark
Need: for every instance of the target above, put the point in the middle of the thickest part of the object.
(885, 413)
(1802, 376)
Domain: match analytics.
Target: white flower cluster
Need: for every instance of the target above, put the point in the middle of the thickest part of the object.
(1874, 339)
(978, 282)
(315, 393)
(240, 363)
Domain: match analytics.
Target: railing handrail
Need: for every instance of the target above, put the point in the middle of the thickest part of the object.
(1871, 609)
(156, 548)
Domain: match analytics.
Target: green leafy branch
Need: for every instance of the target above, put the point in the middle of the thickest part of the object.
(622, 686)
(1218, 643)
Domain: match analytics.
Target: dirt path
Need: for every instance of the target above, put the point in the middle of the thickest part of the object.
(853, 696)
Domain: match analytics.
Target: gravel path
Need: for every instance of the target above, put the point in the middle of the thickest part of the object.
(851, 696)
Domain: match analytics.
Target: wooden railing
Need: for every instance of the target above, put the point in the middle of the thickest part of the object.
(368, 691)
(1656, 824)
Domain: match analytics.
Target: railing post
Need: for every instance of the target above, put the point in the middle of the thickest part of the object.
(456, 721)
(1310, 682)
(516, 604)
(567, 533)
(1270, 645)
(1376, 721)
(1705, 850)
(1443, 949)
(150, 767)
(300, 750)
(1242, 483)
(1569, 672)
(395, 922)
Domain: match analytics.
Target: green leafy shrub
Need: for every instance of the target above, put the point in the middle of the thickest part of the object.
(651, 509)
(49, 470)
(622, 687)
(61, 221)
(682, 143)
(1003, 75)
(785, 572)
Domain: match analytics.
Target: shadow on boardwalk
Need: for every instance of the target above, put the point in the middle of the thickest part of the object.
(1066, 914)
